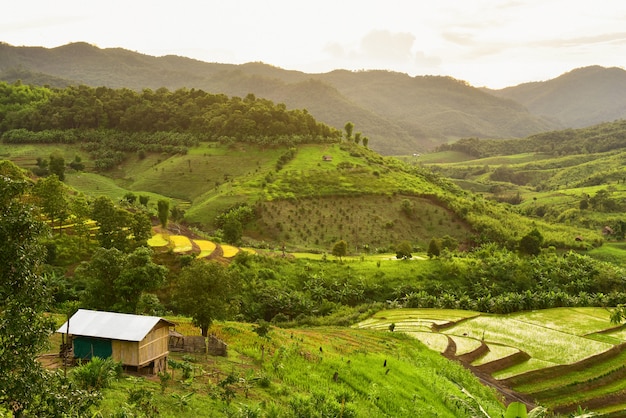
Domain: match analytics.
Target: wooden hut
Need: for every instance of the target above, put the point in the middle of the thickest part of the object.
(136, 341)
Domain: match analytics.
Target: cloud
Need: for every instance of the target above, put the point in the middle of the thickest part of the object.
(383, 49)
(382, 45)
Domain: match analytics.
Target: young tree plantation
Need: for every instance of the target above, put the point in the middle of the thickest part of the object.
(229, 214)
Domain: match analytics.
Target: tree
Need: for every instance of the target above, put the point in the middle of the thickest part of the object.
(113, 223)
(403, 250)
(365, 141)
(77, 164)
(52, 199)
(531, 243)
(141, 228)
(163, 208)
(26, 389)
(143, 200)
(449, 243)
(57, 165)
(348, 127)
(206, 291)
(434, 248)
(115, 280)
(24, 328)
(340, 249)
(130, 198)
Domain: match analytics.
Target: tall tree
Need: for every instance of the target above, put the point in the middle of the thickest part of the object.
(113, 223)
(115, 280)
(434, 248)
(52, 199)
(348, 127)
(206, 291)
(57, 165)
(163, 208)
(24, 328)
(141, 228)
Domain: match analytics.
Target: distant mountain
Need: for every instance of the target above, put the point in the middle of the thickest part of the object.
(579, 98)
(398, 113)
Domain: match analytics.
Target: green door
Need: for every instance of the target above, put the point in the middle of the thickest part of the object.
(86, 347)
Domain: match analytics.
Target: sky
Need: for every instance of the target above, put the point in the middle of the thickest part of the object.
(492, 43)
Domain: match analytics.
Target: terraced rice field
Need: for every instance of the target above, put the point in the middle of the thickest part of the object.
(206, 247)
(181, 243)
(562, 358)
(158, 240)
(228, 251)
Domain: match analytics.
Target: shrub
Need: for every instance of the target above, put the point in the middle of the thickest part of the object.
(97, 374)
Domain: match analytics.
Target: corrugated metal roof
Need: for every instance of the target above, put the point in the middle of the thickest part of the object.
(111, 325)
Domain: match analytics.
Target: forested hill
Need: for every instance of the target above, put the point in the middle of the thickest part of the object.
(579, 98)
(400, 114)
(110, 122)
(599, 138)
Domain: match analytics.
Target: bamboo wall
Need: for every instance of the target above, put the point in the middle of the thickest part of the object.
(153, 346)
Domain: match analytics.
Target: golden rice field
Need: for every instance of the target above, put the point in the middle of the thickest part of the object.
(158, 240)
(181, 243)
(206, 247)
(229, 251)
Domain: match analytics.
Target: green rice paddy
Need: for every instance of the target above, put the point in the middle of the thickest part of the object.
(562, 357)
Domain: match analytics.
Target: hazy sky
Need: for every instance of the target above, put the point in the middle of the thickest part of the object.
(485, 42)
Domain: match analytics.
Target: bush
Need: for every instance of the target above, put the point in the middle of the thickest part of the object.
(97, 374)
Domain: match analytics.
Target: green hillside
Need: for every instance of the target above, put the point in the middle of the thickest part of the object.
(566, 359)
(326, 371)
(401, 114)
(573, 177)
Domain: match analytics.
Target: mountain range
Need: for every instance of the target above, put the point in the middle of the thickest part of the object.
(399, 114)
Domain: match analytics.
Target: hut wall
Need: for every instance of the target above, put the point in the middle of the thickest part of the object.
(126, 352)
(155, 344)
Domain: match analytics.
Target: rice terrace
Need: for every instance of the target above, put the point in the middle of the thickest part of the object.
(562, 358)
(465, 277)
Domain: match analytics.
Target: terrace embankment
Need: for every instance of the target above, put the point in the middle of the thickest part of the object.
(507, 393)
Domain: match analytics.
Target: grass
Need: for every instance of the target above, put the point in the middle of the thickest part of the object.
(345, 372)
(552, 337)
(564, 348)
(496, 352)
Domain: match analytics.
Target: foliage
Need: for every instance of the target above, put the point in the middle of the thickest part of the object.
(434, 248)
(23, 296)
(191, 114)
(115, 280)
(97, 374)
(119, 228)
(52, 198)
(340, 249)
(206, 291)
(403, 250)
(232, 222)
(530, 243)
(163, 212)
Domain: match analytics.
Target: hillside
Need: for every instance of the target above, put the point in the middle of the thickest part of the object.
(400, 114)
(574, 177)
(309, 372)
(579, 98)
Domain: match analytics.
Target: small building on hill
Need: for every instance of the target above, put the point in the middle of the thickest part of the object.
(136, 341)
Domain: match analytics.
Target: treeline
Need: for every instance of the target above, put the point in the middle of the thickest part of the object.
(600, 138)
(208, 116)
